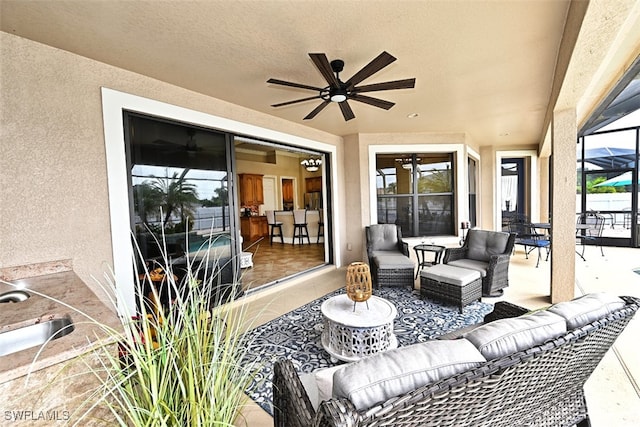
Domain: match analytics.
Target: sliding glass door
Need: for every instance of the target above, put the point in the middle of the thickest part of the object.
(179, 195)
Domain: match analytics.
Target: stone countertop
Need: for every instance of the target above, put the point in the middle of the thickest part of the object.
(68, 288)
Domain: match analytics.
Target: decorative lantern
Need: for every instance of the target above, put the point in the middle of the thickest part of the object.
(358, 283)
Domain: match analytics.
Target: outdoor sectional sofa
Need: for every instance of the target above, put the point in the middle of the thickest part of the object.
(517, 368)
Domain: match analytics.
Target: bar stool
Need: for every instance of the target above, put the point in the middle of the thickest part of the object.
(320, 225)
(300, 229)
(273, 224)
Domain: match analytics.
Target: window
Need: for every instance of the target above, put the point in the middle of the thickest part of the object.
(415, 191)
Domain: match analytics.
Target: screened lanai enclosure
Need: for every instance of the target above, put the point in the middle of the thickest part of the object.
(607, 182)
(607, 155)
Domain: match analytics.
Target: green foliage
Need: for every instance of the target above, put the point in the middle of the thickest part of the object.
(592, 189)
(220, 199)
(176, 193)
(146, 201)
(187, 363)
(180, 365)
(436, 182)
(166, 194)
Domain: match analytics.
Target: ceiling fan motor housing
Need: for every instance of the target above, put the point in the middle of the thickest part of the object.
(337, 65)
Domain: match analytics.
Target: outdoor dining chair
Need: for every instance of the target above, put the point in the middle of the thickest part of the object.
(528, 237)
(589, 228)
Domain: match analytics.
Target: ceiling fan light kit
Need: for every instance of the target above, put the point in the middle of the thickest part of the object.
(341, 92)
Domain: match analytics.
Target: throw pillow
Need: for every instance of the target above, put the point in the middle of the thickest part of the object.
(319, 384)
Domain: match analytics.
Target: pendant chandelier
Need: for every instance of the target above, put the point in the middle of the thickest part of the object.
(311, 164)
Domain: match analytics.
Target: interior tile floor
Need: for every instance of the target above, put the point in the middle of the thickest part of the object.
(613, 391)
(278, 261)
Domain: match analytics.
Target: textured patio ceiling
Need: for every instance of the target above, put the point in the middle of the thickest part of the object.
(482, 67)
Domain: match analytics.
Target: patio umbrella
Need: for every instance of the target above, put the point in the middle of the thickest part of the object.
(617, 181)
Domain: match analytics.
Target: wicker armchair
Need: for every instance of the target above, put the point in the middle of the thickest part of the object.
(488, 252)
(539, 386)
(388, 256)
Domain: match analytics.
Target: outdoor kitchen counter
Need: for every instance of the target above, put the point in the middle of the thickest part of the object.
(71, 290)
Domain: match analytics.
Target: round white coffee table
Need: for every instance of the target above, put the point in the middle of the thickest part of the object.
(350, 334)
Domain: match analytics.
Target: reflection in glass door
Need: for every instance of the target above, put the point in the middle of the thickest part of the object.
(513, 192)
(179, 196)
(473, 201)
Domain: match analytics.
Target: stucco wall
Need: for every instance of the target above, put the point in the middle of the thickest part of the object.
(53, 199)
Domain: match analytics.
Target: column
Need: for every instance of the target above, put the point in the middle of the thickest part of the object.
(563, 205)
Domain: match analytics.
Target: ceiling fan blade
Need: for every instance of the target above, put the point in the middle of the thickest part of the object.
(316, 110)
(347, 112)
(380, 103)
(164, 142)
(291, 84)
(377, 64)
(322, 63)
(396, 84)
(295, 101)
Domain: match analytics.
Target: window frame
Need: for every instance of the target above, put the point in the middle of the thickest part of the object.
(459, 153)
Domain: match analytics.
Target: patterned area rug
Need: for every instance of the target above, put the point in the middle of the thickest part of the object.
(296, 335)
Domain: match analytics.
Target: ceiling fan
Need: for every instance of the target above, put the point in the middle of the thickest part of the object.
(340, 92)
(190, 147)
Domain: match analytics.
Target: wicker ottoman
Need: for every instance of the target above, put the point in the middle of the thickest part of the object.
(393, 270)
(456, 285)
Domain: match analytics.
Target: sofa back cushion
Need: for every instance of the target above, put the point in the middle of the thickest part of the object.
(377, 378)
(587, 308)
(505, 336)
(383, 237)
(482, 244)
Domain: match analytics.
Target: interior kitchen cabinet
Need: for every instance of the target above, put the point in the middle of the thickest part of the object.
(287, 194)
(314, 184)
(253, 227)
(251, 189)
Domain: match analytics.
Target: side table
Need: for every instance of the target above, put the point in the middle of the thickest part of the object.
(350, 335)
(421, 251)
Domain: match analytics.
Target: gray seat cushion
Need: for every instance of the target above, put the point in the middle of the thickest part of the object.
(377, 378)
(482, 244)
(471, 264)
(450, 274)
(506, 336)
(392, 260)
(587, 308)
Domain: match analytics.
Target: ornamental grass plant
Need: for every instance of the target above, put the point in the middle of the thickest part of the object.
(180, 364)
(184, 362)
